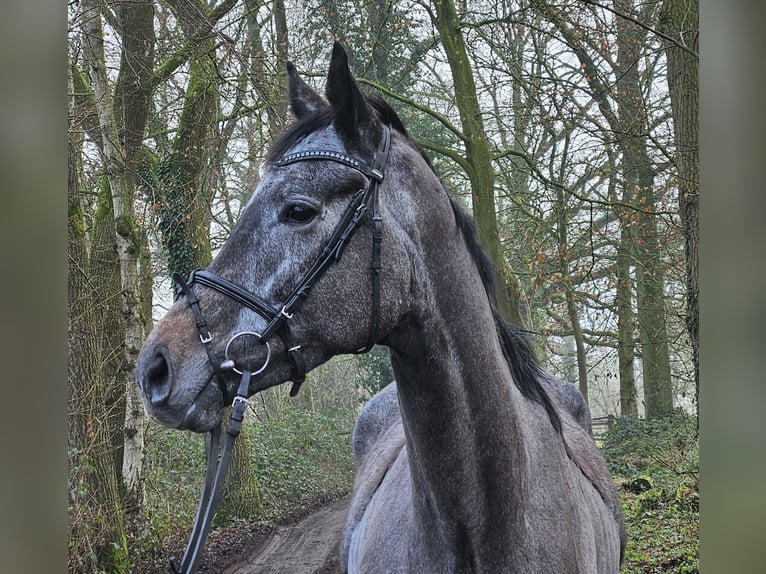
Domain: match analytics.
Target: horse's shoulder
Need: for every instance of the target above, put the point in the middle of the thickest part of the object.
(378, 442)
(568, 398)
(578, 439)
(375, 418)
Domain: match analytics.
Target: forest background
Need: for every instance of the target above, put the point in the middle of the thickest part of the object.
(570, 130)
(455, 177)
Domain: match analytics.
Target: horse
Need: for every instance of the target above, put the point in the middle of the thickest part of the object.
(476, 459)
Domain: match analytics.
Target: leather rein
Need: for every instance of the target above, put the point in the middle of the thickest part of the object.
(364, 203)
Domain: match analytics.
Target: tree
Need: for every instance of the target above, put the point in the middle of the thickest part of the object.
(679, 20)
(477, 152)
(628, 121)
(122, 114)
(106, 422)
(638, 175)
(96, 524)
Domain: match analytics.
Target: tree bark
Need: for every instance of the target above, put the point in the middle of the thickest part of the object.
(569, 294)
(625, 344)
(122, 117)
(679, 19)
(109, 321)
(96, 522)
(638, 176)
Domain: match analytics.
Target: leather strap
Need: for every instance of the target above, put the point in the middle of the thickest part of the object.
(204, 334)
(381, 158)
(233, 291)
(215, 476)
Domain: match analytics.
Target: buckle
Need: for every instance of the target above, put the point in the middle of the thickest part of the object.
(239, 400)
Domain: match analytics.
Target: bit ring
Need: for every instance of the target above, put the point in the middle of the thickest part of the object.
(254, 334)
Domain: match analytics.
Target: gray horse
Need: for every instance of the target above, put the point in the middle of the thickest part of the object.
(475, 460)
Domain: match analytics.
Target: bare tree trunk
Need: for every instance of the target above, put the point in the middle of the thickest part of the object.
(121, 118)
(569, 294)
(679, 19)
(241, 496)
(133, 91)
(639, 184)
(96, 523)
(109, 322)
(625, 345)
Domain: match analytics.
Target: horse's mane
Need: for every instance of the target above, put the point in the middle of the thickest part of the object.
(526, 370)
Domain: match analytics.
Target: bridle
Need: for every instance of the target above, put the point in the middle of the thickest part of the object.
(364, 203)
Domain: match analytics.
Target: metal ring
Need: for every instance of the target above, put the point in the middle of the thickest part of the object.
(254, 334)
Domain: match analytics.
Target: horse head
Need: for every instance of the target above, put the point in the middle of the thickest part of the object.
(300, 277)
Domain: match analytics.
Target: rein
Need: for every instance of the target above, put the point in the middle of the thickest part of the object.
(364, 202)
(215, 476)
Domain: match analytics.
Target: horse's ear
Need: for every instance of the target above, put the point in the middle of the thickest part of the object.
(349, 104)
(303, 99)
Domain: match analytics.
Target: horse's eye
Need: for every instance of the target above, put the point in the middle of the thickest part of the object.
(299, 213)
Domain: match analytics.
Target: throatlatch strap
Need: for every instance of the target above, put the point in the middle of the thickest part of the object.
(295, 358)
(381, 158)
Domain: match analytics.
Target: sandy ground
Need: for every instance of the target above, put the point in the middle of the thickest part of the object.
(310, 546)
(306, 543)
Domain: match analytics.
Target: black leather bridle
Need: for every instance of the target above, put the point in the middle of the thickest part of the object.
(364, 203)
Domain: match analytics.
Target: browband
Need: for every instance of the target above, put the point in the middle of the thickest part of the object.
(336, 156)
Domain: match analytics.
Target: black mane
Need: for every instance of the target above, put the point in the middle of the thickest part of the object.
(526, 370)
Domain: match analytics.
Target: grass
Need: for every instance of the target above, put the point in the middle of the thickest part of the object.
(663, 533)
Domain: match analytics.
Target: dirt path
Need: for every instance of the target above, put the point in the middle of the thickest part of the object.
(310, 546)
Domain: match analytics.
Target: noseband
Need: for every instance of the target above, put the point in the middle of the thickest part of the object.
(364, 202)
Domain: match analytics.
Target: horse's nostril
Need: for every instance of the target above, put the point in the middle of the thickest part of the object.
(157, 379)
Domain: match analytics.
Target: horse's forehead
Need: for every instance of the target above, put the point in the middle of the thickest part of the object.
(325, 139)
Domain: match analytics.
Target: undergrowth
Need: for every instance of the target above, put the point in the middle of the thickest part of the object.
(305, 457)
(302, 458)
(656, 466)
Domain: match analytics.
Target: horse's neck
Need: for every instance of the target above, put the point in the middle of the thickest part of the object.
(461, 413)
